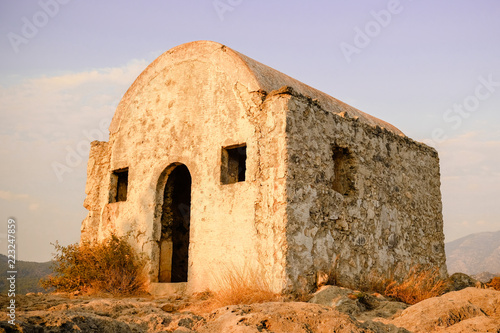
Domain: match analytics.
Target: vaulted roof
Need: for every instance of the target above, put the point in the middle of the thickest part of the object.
(252, 74)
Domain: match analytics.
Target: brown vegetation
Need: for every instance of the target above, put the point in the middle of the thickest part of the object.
(243, 286)
(419, 284)
(111, 266)
(494, 283)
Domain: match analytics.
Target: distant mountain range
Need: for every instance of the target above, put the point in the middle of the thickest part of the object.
(28, 275)
(474, 254)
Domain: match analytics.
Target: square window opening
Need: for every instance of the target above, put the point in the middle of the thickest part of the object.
(119, 185)
(344, 171)
(233, 164)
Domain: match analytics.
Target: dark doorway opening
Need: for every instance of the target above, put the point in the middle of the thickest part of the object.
(175, 221)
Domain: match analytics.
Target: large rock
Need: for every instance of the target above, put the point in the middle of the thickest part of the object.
(289, 317)
(361, 305)
(53, 313)
(467, 310)
(330, 295)
(459, 281)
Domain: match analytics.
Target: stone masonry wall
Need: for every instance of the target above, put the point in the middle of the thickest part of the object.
(97, 190)
(233, 226)
(378, 211)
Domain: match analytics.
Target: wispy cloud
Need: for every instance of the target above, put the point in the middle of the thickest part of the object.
(40, 119)
(9, 196)
(34, 206)
(21, 198)
(114, 75)
(471, 154)
(50, 108)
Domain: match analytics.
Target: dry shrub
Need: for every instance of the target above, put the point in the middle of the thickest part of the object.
(243, 286)
(419, 284)
(494, 283)
(375, 282)
(111, 267)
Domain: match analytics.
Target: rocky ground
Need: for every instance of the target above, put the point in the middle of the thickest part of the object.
(332, 309)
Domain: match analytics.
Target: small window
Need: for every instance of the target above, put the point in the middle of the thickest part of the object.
(233, 164)
(119, 185)
(344, 171)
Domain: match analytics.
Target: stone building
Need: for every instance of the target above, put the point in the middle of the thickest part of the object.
(216, 161)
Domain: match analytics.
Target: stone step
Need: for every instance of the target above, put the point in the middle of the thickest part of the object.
(167, 289)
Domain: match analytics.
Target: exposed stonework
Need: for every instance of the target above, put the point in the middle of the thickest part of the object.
(387, 215)
(283, 178)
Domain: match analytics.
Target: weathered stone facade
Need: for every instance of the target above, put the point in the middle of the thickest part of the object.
(216, 161)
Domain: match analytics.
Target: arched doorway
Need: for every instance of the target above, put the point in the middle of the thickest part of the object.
(175, 221)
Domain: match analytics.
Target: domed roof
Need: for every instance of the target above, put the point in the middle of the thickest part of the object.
(254, 75)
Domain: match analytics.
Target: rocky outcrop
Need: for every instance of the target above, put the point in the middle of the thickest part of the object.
(56, 313)
(363, 306)
(332, 309)
(467, 310)
(281, 317)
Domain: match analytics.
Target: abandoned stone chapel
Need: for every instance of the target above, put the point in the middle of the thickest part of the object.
(217, 162)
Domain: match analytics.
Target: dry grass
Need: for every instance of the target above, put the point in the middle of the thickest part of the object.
(419, 284)
(200, 303)
(243, 286)
(108, 267)
(494, 283)
(374, 282)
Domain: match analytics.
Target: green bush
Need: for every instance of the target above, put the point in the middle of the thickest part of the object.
(111, 266)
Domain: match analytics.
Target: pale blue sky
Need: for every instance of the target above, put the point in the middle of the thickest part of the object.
(419, 60)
